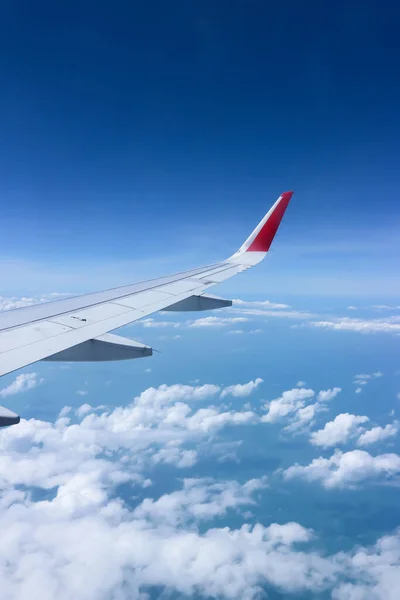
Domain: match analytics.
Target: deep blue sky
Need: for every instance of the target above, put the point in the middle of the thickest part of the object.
(135, 125)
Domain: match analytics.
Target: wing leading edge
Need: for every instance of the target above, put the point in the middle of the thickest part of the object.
(75, 328)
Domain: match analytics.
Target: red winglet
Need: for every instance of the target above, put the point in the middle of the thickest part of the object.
(266, 234)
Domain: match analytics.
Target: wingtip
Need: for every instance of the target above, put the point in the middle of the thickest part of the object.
(265, 232)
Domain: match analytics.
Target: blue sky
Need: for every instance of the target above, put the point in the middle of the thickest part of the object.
(257, 454)
(134, 131)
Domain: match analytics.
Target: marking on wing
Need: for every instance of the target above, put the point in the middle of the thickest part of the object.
(57, 340)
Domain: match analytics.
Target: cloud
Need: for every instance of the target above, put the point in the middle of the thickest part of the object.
(389, 325)
(300, 384)
(241, 389)
(10, 303)
(289, 402)
(327, 395)
(374, 571)
(385, 307)
(22, 383)
(64, 411)
(211, 321)
(55, 544)
(153, 428)
(216, 321)
(284, 314)
(339, 431)
(363, 379)
(61, 546)
(303, 418)
(83, 410)
(150, 322)
(200, 499)
(82, 392)
(378, 434)
(347, 469)
(262, 303)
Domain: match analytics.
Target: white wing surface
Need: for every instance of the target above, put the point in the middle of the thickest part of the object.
(76, 329)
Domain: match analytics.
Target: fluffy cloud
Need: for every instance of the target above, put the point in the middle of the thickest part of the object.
(85, 537)
(289, 402)
(22, 383)
(327, 395)
(83, 410)
(57, 546)
(84, 545)
(339, 431)
(151, 430)
(347, 469)
(241, 390)
(375, 571)
(199, 499)
(303, 418)
(378, 434)
(295, 405)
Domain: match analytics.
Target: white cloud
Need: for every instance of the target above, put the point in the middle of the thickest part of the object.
(262, 303)
(385, 307)
(150, 322)
(216, 321)
(339, 431)
(362, 379)
(83, 410)
(200, 499)
(300, 384)
(347, 469)
(284, 314)
(65, 411)
(389, 325)
(22, 383)
(327, 395)
(211, 321)
(304, 418)
(82, 392)
(9, 303)
(289, 402)
(378, 434)
(58, 546)
(373, 572)
(241, 389)
(158, 419)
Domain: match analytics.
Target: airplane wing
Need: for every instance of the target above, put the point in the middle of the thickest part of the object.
(77, 328)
